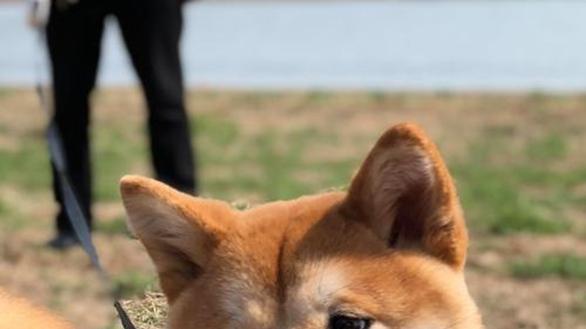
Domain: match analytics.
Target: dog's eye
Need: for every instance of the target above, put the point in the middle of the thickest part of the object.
(348, 322)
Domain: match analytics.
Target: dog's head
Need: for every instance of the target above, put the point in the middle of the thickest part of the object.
(389, 253)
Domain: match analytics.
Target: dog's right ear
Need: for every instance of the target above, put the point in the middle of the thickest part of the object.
(179, 231)
(405, 195)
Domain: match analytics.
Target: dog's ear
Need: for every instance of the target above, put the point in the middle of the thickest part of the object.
(405, 194)
(179, 231)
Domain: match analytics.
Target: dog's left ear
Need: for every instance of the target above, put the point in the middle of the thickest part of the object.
(180, 232)
(405, 194)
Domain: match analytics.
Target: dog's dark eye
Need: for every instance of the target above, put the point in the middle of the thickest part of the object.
(348, 322)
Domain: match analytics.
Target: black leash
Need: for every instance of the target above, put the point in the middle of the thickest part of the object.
(72, 206)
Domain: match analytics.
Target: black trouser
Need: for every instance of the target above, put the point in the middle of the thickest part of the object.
(151, 30)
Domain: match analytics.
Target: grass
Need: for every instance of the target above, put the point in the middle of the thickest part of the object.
(10, 219)
(148, 312)
(548, 148)
(267, 163)
(579, 307)
(216, 131)
(130, 283)
(5, 92)
(274, 164)
(567, 266)
(115, 152)
(496, 202)
(26, 166)
(112, 227)
(496, 194)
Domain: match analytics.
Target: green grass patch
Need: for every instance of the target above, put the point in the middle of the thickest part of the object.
(216, 131)
(115, 154)
(505, 187)
(548, 148)
(268, 163)
(318, 96)
(133, 283)
(5, 92)
(112, 227)
(378, 96)
(579, 306)
(565, 266)
(496, 202)
(503, 197)
(274, 160)
(27, 166)
(10, 219)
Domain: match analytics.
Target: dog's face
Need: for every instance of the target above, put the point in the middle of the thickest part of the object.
(389, 253)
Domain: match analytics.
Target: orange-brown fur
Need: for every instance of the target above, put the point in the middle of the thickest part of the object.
(18, 313)
(392, 249)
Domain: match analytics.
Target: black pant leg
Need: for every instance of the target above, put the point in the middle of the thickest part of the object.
(151, 30)
(74, 37)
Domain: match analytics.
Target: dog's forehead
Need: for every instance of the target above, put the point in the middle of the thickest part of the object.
(275, 224)
(314, 206)
(248, 267)
(264, 233)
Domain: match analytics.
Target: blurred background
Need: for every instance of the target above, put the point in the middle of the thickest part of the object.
(286, 98)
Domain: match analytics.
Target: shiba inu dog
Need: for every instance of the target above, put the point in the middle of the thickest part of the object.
(387, 254)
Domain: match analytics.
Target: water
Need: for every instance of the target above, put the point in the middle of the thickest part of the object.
(495, 45)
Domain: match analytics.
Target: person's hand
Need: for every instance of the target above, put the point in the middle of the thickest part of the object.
(38, 13)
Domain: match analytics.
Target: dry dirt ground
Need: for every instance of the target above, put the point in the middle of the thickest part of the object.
(528, 148)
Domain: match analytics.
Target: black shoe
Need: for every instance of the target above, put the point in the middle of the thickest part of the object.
(63, 241)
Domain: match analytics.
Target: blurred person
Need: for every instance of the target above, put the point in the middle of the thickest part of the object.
(151, 30)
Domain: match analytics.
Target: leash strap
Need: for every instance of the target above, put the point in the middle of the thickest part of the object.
(75, 215)
(124, 319)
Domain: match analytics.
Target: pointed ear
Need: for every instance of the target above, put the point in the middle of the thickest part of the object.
(405, 194)
(179, 232)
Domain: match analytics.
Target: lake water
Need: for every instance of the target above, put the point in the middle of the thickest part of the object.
(459, 45)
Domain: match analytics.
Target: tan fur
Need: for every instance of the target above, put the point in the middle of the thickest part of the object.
(18, 313)
(392, 249)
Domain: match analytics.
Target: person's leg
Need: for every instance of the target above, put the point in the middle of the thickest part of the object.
(151, 30)
(74, 37)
